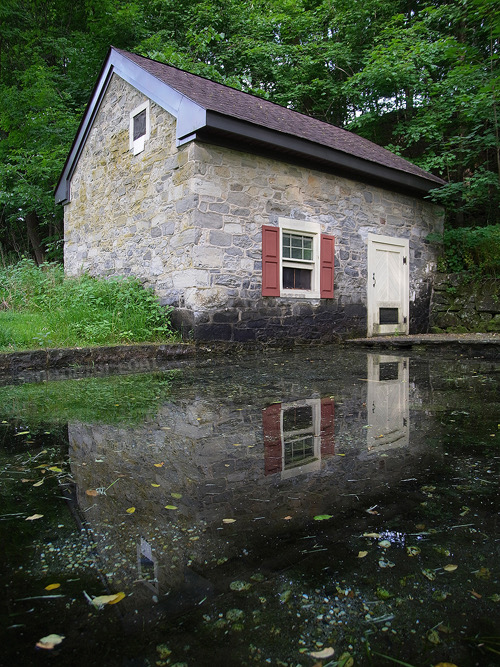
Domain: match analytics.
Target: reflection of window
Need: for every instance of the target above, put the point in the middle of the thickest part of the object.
(139, 129)
(298, 435)
(297, 260)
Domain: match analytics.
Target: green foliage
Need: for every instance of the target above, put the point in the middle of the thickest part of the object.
(42, 308)
(472, 249)
(121, 399)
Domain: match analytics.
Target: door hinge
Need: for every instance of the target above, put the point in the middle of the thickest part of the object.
(404, 260)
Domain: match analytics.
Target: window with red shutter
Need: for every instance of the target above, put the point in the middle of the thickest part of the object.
(327, 261)
(270, 261)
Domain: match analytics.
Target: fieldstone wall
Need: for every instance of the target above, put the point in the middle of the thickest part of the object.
(461, 305)
(188, 223)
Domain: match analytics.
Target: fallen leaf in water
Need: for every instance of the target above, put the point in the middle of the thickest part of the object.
(287, 518)
(386, 563)
(483, 573)
(420, 526)
(412, 551)
(385, 544)
(362, 554)
(429, 574)
(476, 595)
(33, 517)
(445, 664)
(50, 641)
(155, 485)
(55, 469)
(130, 510)
(159, 465)
(228, 520)
(39, 483)
(325, 653)
(91, 492)
(101, 600)
(236, 444)
(52, 587)
(374, 535)
(495, 597)
(24, 480)
(170, 507)
(21, 433)
(450, 568)
(322, 517)
(176, 495)
(433, 637)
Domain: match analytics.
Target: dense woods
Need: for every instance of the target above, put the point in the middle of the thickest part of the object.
(420, 77)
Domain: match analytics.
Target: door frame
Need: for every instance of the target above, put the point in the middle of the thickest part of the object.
(376, 241)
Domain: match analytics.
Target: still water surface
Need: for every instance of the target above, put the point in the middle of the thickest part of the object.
(254, 510)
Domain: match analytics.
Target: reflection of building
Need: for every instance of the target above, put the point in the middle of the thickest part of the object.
(387, 402)
(298, 435)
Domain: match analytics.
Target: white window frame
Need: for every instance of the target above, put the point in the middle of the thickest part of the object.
(313, 230)
(314, 430)
(137, 146)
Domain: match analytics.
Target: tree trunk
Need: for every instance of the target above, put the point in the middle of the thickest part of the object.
(32, 228)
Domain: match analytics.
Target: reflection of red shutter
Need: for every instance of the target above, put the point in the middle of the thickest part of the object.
(327, 260)
(270, 261)
(271, 426)
(327, 427)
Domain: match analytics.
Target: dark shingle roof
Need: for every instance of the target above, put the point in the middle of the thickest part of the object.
(249, 108)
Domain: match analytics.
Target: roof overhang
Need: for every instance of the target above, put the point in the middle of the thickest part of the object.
(189, 115)
(196, 122)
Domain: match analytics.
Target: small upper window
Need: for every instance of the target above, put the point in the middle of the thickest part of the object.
(139, 127)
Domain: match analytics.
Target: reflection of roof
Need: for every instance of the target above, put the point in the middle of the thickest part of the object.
(218, 113)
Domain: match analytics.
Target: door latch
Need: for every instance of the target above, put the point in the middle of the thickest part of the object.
(374, 281)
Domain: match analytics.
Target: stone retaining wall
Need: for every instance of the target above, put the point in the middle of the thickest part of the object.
(460, 305)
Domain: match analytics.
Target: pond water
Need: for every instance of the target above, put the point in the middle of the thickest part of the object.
(326, 506)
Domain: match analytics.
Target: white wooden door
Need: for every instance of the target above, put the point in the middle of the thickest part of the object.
(388, 285)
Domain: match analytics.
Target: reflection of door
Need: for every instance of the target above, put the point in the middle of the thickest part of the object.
(387, 402)
(388, 285)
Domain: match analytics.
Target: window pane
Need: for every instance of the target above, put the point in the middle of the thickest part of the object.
(298, 418)
(140, 124)
(296, 278)
(297, 246)
(299, 452)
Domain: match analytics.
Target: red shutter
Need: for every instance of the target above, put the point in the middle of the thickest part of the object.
(270, 261)
(327, 261)
(271, 426)
(327, 427)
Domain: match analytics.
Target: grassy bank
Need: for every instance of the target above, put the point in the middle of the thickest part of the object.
(39, 307)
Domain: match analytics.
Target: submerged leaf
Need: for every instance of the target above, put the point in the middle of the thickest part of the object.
(170, 507)
(91, 492)
(33, 517)
(49, 641)
(325, 653)
(412, 551)
(159, 465)
(155, 485)
(362, 554)
(130, 510)
(176, 495)
(429, 574)
(39, 483)
(55, 469)
(374, 535)
(323, 517)
(52, 587)
(228, 520)
(450, 568)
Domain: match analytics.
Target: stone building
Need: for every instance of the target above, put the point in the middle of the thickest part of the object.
(238, 211)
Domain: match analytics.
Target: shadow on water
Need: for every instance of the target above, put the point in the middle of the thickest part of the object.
(255, 510)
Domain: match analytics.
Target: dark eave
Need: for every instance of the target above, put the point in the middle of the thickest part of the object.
(218, 126)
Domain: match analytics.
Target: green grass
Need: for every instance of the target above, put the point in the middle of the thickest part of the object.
(41, 308)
